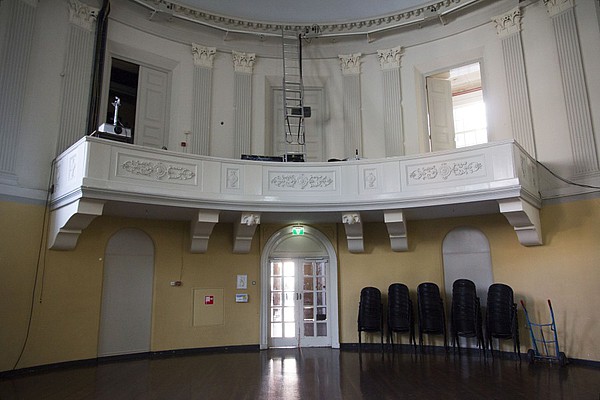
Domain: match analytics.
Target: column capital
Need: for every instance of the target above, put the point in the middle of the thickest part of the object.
(203, 56)
(390, 58)
(82, 15)
(508, 23)
(243, 62)
(350, 63)
(555, 7)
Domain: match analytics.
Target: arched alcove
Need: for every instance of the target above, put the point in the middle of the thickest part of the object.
(126, 315)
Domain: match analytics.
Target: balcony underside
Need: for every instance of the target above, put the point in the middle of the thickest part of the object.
(99, 177)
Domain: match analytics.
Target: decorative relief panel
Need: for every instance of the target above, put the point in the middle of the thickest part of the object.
(156, 170)
(232, 176)
(450, 170)
(370, 179)
(305, 182)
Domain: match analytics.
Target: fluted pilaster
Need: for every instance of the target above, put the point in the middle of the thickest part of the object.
(77, 74)
(583, 146)
(14, 63)
(350, 65)
(508, 27)
(389, 61)
(203, 81)
(243, 64)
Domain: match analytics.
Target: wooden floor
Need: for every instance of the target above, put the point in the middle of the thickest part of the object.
(308, 374)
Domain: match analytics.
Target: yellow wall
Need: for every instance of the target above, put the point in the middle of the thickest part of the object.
(68, 296)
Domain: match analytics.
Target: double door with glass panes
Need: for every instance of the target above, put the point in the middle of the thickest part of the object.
(298, 314)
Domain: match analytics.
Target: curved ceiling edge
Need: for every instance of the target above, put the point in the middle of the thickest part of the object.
(419, 15)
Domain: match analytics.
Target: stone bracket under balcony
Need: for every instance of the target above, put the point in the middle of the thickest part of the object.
(101, 177)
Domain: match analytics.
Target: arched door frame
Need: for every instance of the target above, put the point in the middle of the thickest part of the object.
(267, 251)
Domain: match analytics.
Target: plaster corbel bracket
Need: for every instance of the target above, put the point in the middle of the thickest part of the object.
(354, 232)
(68, 221)
(243, 232)
(200, 229)
(396, 226)
(524, 218)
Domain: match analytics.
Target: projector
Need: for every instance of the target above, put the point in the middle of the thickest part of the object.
(115, 130)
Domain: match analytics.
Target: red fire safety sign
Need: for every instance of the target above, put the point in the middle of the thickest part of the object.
(209, 299)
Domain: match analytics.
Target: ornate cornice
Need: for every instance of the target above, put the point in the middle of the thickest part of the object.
(555, 7)
(350, 63)
(369, 25)
(508, 23)
(82, 15)
(390, 58)
(203, 56)
(243, 62)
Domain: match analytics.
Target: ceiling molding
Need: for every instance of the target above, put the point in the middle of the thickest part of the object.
(426, 13)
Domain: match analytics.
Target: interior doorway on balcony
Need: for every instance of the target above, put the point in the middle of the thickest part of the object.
(456, 108)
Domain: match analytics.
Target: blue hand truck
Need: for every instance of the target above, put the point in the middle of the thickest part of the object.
(551, 350)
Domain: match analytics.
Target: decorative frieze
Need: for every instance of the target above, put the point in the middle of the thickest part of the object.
(443, 171)
(350, 63)
(301, 181)
(156, 170)
(203, 56)
(508, 23)
(243, 62)
(82, 14)
(390, 58)
(555, 7)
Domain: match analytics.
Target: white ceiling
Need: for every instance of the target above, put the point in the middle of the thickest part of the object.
(304, 11)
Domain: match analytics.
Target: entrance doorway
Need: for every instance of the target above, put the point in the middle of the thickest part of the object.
(299, 291)
(298, 305)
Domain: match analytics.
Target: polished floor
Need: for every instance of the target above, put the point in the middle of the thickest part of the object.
(308, 374)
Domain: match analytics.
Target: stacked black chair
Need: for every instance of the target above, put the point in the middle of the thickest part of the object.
(501, 317)
(400, 317)
(432, 318)
(370, 313)
(465, 313)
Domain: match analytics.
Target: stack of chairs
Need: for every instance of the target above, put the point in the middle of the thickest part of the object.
(370, 313)
(432, 318)
(400, 317)
(465, 313)
(501, 317)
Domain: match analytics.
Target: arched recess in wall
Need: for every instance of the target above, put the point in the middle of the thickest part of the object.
(316, 317)
(126, 315)
(466, 253)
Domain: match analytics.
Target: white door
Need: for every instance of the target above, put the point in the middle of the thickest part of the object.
(298, 307)
(152, 109)
(315, 144)
(441, 117)
(126, 315)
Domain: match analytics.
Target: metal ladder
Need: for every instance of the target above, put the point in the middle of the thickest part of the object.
(293, 97)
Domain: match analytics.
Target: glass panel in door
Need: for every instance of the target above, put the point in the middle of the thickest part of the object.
(298, 303)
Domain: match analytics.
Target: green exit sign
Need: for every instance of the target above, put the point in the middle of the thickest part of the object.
(298, 230)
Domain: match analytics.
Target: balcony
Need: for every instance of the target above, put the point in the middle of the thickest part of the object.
(100, 177)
